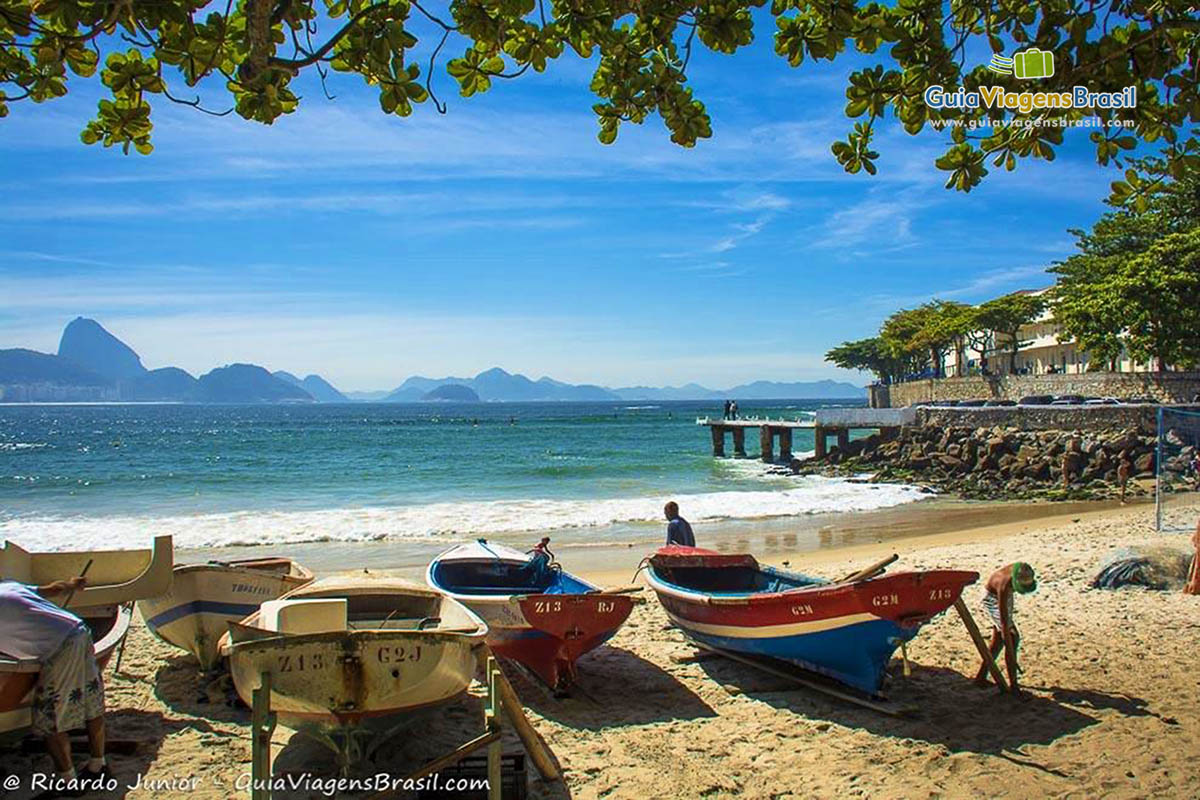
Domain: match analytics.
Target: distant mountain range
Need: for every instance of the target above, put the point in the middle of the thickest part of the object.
(496, 385)
(93, 365)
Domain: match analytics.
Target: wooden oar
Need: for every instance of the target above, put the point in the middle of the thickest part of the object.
(622, 590)
(83, 574)
(871, 571)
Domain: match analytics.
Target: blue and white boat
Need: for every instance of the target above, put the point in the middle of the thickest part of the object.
(204, 598)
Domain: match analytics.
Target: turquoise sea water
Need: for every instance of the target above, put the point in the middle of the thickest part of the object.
(110, 475)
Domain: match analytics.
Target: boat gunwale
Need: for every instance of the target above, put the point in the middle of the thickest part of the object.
(360, 633)
(663, 586)
(303, 573)
(494, 599)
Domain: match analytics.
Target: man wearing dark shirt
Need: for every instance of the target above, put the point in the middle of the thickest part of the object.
(678, 530)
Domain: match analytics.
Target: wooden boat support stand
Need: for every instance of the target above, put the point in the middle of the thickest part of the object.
(501, 702)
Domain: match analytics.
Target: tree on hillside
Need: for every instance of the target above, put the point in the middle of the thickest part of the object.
(1127, 287)
(923, 334)
(871, 355)
(246, 55)
(1147, 302)
(1007, 315)
(958, 322)
(1161, 289)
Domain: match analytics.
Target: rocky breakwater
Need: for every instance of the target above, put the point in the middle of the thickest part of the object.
(998, 463)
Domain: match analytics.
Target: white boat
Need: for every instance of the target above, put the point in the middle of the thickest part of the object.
(341, 651)
(204, 598)
(115, 579)
(113, 576)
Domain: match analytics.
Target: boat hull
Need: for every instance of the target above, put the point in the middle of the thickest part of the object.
(204, 598)
(113, 576)
(340, 679)
(555, 631)
(398, 647)
(847, 631)
(546, 632)
(855, 654)
(17, 680)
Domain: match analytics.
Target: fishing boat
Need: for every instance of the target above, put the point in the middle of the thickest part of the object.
(113, 576)
(204, 598)
(115, 579)
(846, 630)
(341, 651)
(537, 614)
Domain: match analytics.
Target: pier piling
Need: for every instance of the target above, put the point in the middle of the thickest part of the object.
(785, 444)
(718, 440)
(829, 422)
(767, 442)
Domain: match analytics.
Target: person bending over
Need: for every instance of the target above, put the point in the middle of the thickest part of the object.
(998, 602)
(678, 530)
(69, 693)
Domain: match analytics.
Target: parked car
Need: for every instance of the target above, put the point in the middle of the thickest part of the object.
(971, 403)
(991, 403)
(1036, 400)
(1102, 401)
(1068, 400)
(1136, 400)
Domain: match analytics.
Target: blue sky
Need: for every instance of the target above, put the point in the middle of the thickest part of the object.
(368, 248)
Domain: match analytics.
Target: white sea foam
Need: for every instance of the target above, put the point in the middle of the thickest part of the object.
(801, 495)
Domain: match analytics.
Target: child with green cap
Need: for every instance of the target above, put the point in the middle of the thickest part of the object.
(998, 602)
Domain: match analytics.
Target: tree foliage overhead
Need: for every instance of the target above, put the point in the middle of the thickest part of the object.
(253, 50)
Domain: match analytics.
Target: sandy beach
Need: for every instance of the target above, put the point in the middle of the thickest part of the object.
(1112, 708)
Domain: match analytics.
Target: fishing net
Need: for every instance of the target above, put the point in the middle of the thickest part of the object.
(1163, 568)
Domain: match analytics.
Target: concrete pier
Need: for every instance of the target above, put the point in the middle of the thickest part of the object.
(836, 422)
(768, 432)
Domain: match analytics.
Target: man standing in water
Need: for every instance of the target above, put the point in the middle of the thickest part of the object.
(998, 602)
(678, 530)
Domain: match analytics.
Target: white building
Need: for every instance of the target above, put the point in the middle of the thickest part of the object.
(1042, 353)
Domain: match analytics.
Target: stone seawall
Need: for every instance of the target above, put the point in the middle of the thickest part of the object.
(1142, 418)
(1166, 387)
(1003, 463)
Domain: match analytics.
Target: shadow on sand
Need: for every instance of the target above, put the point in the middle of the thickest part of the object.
(400, 747)
(951, 710)
(615, 687)
(182, 687)
(147, 728)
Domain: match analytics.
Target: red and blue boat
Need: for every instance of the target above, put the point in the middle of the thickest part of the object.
(537, 614)
(846, 630)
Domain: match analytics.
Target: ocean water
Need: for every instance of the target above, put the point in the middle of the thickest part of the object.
(88, 476)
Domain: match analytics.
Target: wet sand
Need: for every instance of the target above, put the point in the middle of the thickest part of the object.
(619, 548)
